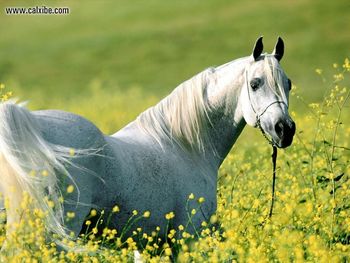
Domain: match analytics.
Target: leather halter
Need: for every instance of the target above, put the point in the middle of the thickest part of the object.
(258, 116)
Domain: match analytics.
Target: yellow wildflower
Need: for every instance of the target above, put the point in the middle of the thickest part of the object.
(201, 200)
(146, 214)
(93, 212)
(70, 189)
(71, 152)
(168, 252)
(115, 209)
(70, 214)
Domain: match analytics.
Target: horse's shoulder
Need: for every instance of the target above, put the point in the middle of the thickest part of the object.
(68, 129)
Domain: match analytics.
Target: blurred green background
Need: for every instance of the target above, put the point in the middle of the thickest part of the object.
(109, 60)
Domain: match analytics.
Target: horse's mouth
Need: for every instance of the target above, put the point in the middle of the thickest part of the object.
(283, 142)
(283, 133)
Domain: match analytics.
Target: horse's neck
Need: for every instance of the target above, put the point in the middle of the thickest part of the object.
(226, 117)
(224, 132)
(219, 131)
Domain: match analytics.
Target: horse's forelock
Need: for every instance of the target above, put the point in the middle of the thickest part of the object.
(275, 76)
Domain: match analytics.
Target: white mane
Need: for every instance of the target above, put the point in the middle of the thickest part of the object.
(181, 116)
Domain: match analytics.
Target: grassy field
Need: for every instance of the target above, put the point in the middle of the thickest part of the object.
(109, 60)
(153, 46)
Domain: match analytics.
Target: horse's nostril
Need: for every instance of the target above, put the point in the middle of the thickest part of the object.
(285, 129)
(279, 128)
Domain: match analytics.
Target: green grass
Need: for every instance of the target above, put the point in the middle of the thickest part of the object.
(155, 45)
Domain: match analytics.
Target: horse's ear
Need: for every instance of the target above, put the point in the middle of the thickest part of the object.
(258, 48)
(279, 49)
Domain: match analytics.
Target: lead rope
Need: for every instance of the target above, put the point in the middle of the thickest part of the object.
(274, 160)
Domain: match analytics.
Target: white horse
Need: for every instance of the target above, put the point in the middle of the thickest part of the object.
(170, 151)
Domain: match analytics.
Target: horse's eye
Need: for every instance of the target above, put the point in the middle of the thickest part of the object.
(255, 83)
(289, 84)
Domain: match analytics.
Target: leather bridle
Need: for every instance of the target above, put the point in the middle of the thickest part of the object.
(258, 116)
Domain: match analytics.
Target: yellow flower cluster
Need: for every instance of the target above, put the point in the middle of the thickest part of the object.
(169, 216)
(310, 221)
(4, 95)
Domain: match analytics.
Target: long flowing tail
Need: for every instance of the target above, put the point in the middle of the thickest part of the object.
(29, 164)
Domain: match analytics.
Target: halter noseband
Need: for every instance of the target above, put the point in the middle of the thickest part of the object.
(258, 116)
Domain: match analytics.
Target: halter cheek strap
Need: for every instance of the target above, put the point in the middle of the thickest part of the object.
(258, 116)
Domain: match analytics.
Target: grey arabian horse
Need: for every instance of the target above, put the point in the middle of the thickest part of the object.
(171, 150)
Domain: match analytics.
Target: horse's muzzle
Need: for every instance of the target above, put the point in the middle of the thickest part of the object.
(285, 131)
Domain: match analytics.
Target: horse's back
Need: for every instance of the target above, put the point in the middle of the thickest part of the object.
(68, 129)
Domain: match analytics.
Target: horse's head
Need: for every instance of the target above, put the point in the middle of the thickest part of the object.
(265, 95)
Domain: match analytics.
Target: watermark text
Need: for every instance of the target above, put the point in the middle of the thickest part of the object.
(37, 10)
